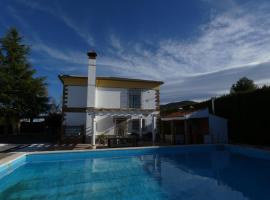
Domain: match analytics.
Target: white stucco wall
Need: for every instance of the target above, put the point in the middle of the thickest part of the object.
(148, 123)
(74, 119)
(148, 99)
(105, 125)
(76, 96)
(218, 129)
(111, 97)
(108, 97)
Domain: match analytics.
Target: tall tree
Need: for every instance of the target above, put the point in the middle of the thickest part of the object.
(243, 85)
(21, 93)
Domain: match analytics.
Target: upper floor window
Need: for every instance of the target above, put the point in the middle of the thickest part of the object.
(134, 98)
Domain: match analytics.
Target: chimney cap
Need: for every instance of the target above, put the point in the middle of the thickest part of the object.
(92, 54)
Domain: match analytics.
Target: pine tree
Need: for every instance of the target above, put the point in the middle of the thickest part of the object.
(21, 94)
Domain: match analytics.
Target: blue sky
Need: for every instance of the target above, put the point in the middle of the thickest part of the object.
(197, 47)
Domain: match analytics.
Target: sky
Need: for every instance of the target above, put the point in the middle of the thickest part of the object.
(199, 48)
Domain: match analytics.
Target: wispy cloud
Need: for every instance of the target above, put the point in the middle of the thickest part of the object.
(56, 10)
(236, 39)
(234, 43)
(115, 43)
(203, 86)
(70, 56)
(84, 34)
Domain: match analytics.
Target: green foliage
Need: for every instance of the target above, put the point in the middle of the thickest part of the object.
(243, 85)
(102, 139)
(22, 94)
(247, 114)
(54, 120)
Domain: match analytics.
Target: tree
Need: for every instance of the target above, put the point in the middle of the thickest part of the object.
(22, 95)
(243, 85)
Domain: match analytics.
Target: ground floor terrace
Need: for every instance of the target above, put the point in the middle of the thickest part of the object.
(99, 126)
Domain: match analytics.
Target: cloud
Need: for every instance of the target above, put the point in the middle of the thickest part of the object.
(73, 57)
(70, 58)
(115, 43)
(56, 10)
(228, 47)
(232, 44)
(203, 86)
(84, 34)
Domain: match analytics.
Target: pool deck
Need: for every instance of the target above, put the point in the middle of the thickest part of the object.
(10, 157)
(6, 149)
(11, 151)
(7, 157)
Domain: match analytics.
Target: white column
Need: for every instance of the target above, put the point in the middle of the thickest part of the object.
(91, 92)
(172, 132)
(186, 131)
(140, 126)
(94, 133)
(154, 124)
(88, 127)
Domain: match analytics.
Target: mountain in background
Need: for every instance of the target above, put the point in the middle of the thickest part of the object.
(174, 106)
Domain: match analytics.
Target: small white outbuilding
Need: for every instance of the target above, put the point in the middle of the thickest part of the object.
(194, 127)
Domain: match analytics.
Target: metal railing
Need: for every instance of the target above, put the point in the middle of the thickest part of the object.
(122, 142)
(73, 134)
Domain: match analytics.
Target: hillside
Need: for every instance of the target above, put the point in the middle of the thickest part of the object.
(174, 106)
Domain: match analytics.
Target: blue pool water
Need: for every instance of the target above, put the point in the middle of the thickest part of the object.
(156, 174)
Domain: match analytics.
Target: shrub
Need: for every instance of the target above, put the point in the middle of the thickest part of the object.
(102, 139)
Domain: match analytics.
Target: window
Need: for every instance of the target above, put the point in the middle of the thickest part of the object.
(136, 124)
(135, 98)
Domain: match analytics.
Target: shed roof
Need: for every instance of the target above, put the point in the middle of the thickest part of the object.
(181, 115)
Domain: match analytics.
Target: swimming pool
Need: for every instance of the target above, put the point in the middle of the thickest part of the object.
(187, 172)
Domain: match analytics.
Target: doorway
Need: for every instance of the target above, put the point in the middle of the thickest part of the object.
(120, 126)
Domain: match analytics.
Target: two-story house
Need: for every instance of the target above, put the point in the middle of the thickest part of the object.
(108, 105)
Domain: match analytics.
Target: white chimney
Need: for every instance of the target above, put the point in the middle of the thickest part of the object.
(91, 93)
(91, 83)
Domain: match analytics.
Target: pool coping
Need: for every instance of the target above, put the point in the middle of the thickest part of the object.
(12, 157)
(243, 150)
(17, 155)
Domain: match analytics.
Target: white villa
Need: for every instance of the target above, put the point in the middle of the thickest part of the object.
(108, 105)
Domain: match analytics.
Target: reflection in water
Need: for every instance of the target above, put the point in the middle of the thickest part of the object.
(213, 175)
(190, 176)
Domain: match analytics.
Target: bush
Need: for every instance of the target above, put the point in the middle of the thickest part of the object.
(247, 114)
(102, 139)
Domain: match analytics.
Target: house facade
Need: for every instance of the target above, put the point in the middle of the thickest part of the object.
(108, 105)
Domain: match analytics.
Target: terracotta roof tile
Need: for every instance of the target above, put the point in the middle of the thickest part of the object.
(178, 114)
